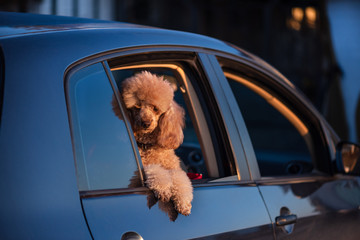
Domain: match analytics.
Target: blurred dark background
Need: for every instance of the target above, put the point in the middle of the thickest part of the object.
(314, 43)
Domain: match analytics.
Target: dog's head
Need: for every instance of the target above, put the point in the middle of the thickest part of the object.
(156, 118)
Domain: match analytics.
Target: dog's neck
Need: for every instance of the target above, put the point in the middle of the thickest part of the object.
(146, 140)
(145, 146)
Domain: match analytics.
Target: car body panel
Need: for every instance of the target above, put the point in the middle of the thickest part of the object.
(317, 205)
(122, 36)
(38, 181)
(226, 210)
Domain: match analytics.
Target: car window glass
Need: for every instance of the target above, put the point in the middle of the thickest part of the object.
(193, 157)
(104, 155)
(279, 147)
(282, 143)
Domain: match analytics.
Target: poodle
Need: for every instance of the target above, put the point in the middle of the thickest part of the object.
(158, 122)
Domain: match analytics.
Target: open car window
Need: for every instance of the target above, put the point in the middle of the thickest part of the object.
(199, 155)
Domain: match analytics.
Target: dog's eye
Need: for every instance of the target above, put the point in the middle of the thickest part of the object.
(155, 109)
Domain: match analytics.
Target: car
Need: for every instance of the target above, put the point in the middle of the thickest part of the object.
(267, 164)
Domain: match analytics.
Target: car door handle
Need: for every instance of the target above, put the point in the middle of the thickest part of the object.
(285, 220)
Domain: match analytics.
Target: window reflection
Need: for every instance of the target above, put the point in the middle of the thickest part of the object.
(104, 155)
(279, 138)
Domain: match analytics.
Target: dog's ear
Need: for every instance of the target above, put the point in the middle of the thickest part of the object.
(171, 126)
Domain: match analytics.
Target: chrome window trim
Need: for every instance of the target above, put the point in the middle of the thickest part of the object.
(142, 190)
(283, 180)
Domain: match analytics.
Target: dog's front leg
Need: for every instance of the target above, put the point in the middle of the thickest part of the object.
(159, 180)
(182, 191)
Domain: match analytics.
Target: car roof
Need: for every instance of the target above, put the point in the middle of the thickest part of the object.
(15, 25)
(18, 25)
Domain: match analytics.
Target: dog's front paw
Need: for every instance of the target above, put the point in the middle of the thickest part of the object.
(159, 181)
(164, 194)
(183, 208)
(169, 209)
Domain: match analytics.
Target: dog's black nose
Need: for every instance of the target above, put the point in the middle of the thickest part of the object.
(145, 124)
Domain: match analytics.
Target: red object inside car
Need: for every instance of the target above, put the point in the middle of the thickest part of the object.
(194, 176)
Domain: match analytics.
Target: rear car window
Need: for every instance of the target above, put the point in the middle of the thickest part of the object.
(103, 151)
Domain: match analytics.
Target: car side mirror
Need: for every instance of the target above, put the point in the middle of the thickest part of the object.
(348, 158)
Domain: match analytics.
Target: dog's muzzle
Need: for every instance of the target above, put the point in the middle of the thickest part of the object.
(145, 124)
